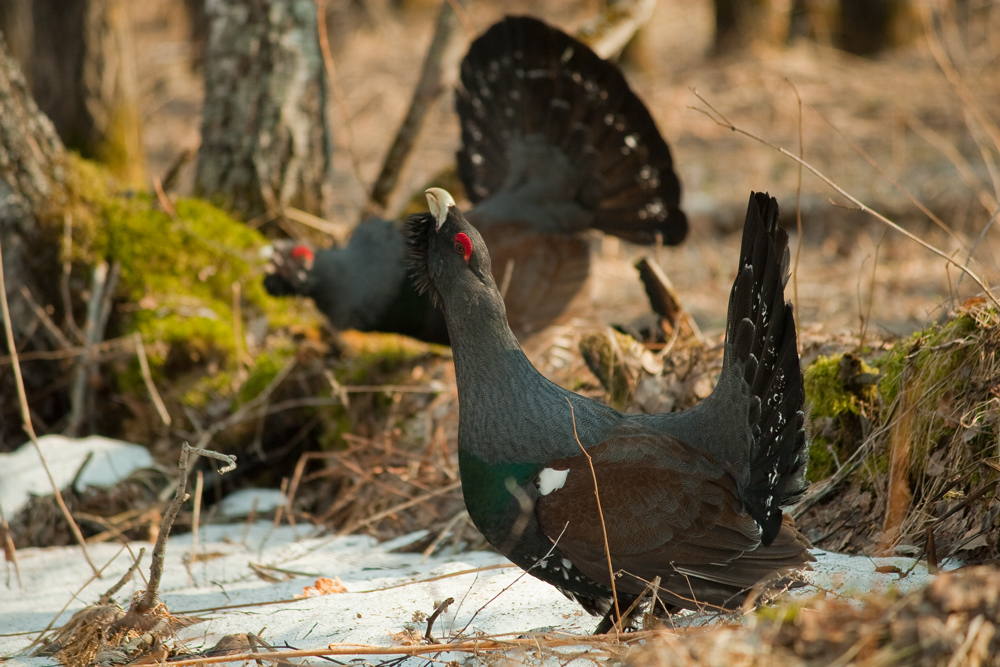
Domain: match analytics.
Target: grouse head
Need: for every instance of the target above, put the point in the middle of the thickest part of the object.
(448, 257)
(290, 269)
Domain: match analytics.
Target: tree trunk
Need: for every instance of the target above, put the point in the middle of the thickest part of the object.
(740, 24)
(79, 59)
(32, 162)
(265, 141)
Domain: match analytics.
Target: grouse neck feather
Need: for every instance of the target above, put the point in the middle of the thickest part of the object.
(500, 392)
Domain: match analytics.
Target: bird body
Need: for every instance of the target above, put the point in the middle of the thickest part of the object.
(554, 142)
(692, 497)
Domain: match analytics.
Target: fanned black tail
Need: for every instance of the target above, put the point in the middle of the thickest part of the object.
(547, 122)
(761, 330)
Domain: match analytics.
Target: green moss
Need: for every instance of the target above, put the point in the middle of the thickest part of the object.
(933, 353)
(377, 357)
(826, 393)
(821, 460)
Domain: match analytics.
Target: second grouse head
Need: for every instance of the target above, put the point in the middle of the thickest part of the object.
(448, 257)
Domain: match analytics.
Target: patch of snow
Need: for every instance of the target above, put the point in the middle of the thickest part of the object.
(387, 592)
(241, 503)
(21, 472)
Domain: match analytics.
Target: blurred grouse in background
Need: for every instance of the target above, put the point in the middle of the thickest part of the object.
(554, 142)
(692, 497)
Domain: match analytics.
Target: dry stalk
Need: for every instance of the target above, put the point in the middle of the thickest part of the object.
(67, 269)
(798, 210)
(102, 284)
(147, 377)
(199, 486)
(75, 596)
(461, 573)
(125, 578)
(26, 419)
(400, 507)
(472, 646)
(720, 119)
(50, 326)
(955, 79)
(55, 355)
(429, 88)
(9, 550)
(161, 196)
(618, 626)
(339, 231)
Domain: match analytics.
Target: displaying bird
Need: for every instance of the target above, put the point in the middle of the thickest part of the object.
(691, 497)
(554, 142)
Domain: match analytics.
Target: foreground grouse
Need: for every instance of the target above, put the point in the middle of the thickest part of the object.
(692, 497)
(554, 142)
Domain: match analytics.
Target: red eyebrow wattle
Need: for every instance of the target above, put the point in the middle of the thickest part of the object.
(302, 252)
(462, 239)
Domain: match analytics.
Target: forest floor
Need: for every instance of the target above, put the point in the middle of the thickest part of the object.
(890, 131)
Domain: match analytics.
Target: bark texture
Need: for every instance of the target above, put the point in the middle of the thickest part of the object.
(265, 139)
(32, 170)
(79, 60)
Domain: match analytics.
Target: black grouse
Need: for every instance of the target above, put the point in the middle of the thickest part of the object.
(692, 497)
(554, 142)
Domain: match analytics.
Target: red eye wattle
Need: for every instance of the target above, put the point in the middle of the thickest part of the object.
(463, 246)
(303, 253)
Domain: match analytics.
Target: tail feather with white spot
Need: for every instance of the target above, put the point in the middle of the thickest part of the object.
(548, 123)
(760, 337)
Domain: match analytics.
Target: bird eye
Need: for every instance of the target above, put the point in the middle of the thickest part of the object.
(463, 246)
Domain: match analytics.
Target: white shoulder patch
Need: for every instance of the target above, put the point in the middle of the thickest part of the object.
(550, 480)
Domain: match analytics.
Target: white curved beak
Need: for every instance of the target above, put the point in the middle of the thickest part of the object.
(438, 201)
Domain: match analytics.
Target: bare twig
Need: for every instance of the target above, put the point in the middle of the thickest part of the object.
(378, 516)
(26, 419)
(66, 272)
(722, 121)
(473, 646)
(147, 377)
(955, 79)
(429, 88)
(53, 355)
(340, 231)
(75, 596)
(9, 550)
(50, 326)
(98, 311)
(600, 514)
(161, 196)
(79, 394)
(798, 209)
(149, 599)
(440, 609)
(238, 339)
(199, 486)
(125, 578)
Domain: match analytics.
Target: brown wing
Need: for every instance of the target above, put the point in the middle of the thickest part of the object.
(548, 274)
(670, 511)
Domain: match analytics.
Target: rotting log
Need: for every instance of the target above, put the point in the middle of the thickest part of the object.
(265, 139)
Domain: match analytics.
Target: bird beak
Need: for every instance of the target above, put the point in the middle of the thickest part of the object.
(439, 201)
